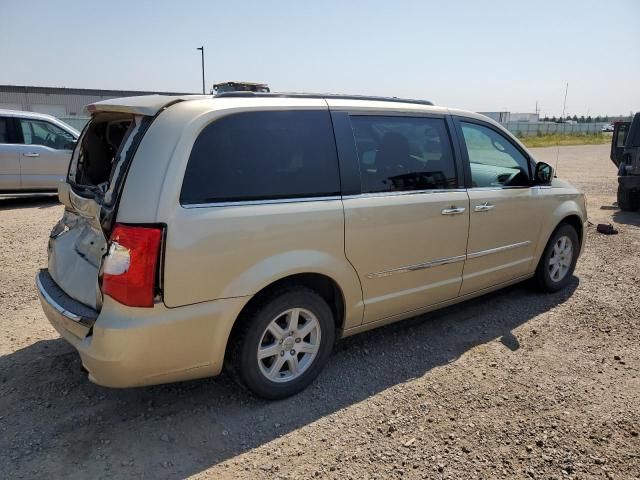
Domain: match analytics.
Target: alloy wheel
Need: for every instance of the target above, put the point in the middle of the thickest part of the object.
(560, 259)
(289, 345)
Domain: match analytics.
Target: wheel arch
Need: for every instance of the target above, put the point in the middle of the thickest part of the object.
(322, 284)
(575, 221)
(569, 213)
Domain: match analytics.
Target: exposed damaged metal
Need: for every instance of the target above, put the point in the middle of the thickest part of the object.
(78, 242)
(76, 248)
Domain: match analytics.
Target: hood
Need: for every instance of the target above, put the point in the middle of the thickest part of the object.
(558, 183)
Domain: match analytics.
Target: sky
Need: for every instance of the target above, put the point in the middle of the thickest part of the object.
(489, 55)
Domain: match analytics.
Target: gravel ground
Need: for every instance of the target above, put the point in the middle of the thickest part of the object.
(516, 384)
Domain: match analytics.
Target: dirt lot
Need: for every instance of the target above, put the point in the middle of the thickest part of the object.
(516, 384)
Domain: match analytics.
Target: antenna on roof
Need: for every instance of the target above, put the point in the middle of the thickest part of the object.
(564, 109)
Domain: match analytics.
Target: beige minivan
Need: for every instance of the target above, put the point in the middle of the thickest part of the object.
(251, 230)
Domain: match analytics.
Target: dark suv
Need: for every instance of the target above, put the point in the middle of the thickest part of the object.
(625, 154)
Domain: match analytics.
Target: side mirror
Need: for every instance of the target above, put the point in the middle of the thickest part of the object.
(542, 174)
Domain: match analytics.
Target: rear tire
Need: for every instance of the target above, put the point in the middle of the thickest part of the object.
(282, 343)
(628, 200)
(558, 259)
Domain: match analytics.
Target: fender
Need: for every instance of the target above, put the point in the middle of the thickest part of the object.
(280, 266)
(570, 204)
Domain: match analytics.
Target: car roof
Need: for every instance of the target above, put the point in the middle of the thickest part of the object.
(324, 96)
(152, 104)
(39, 116)
(21, 113)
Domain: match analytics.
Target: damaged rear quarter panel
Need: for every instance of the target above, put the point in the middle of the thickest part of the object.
(143, 190)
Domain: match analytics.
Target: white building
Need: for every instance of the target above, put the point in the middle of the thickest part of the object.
(505, 117)
(64, 103)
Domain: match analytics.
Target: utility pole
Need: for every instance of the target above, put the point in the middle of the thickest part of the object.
(564, 105)
(202, 52)
(564, 110)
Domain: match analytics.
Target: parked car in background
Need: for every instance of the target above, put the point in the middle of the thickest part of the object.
(35, 150)
(607, 128)
(251, 230)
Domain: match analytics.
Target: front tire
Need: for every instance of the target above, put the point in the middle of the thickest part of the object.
(628, 199)
(558, 259)
(283, 343)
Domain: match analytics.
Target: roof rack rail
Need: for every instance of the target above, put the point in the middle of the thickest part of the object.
(322, 95)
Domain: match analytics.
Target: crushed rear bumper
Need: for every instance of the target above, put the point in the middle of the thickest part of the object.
(68, 316)
(123, 346)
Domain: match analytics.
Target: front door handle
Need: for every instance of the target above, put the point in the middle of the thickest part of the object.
(485, 207)
(453, 211)
(31, 154)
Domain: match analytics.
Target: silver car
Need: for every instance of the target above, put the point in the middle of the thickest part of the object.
(35, 150)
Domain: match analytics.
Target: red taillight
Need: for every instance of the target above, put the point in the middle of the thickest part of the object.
(129, 269)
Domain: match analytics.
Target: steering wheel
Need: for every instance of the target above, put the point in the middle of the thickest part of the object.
(48, 141)
(518, 178)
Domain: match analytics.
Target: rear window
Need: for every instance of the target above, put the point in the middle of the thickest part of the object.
(93, 161)
(263, 155)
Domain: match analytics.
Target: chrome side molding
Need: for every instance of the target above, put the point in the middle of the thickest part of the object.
(504, 248)
(419, 266)
(447, 260)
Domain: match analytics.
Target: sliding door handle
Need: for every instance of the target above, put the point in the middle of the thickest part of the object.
(31, 154)
(453, 211)
(485, 207)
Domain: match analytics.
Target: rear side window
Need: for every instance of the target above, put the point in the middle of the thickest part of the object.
(403, 153)
(263, 155)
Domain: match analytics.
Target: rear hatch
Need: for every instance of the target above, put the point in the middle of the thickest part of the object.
(98, 168)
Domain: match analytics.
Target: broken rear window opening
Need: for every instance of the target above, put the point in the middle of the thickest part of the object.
(103, 146)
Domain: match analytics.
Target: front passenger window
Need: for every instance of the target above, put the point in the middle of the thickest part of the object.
(494, 160)
(38, 132)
